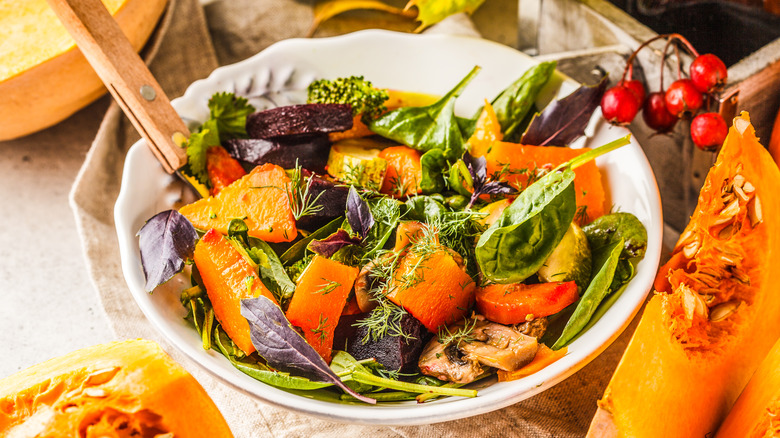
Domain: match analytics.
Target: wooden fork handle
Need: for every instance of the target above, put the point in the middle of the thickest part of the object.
(126, 77)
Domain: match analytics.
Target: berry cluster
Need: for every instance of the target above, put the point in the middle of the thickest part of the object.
(684, 98)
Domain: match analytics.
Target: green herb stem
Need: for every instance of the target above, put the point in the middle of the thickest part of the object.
(599, 151)
(385, 396)
(370, 379)
(208, 324)
(422, 398)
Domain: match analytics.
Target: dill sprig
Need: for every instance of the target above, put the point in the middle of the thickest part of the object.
(384, 320)
(301, 202)
(464, 333)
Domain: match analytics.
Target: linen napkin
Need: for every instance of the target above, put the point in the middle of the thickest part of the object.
(188, 45)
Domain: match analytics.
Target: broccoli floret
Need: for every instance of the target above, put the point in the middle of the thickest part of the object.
(355, 91)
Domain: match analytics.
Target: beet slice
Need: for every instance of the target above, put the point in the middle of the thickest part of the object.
(396, 353)
(333, 201)
(309, 151)
(309, 118)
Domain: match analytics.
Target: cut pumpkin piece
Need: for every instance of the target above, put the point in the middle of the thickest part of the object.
(755, 413)
(228, 278)
(403, 173)
(518, 165)
(486, 131)
(432, 286)
(319, 300)
(260, 198)
(121, 389)
(696, 346)
(223, 169)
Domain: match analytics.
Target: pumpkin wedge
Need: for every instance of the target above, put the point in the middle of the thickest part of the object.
(259, 197)
(716, 312)
(121, 389)
(755, 413)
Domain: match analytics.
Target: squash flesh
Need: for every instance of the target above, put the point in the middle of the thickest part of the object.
(92, 391)
(682, 372)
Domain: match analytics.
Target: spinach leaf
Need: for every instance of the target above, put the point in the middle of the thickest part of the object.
(427, 127)
(422, 208)
(283, 348)
(432, 164)
(527, 232)
(166, 241)
(565, 119)
(613, 226)
(605, 262)
(272, 272)
(298, 249)
(515, 101)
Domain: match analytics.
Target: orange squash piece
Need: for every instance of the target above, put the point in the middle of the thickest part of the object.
(755, 414)
(514, 303)
(121, 389)
(433, 287)
(223, 169)
(544, 357)
(403, 173)
(228, 279)
(486, 131)
(516, 163)
(260, 198)
(407, 233)
(319, 299)
(696, 347)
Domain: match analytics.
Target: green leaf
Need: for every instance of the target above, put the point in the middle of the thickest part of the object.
(272, 271)
(230, 113)
(387, 213)
(514, 103)
(197, 146)
(432, 164)
(427, 127)
(298, 249)
(431, 12)
(613, 226)
(527, 232)
(605, 262)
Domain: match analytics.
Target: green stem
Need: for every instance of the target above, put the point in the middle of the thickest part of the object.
(599, 151)
(208, 324)
(370, 379)
(422, 398)
(385, 396)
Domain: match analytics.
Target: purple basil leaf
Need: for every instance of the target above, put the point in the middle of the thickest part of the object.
(331, 244)
(564, 120)
(359, 215)
(477, 168)
(283, 348)
(166, 241)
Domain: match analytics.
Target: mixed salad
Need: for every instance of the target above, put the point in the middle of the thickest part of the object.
(371, 245)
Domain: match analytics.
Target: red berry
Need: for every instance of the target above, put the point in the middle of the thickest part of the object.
(708, 130)
(708, 73)
(619, 105)
(683, 98)
(655, 113)
(637, 88)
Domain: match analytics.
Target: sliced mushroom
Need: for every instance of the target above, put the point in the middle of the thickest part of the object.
(536, 327)
(488, 343)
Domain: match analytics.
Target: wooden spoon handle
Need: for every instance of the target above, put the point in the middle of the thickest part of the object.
(126, 77)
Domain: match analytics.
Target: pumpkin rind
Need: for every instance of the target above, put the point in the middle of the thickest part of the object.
(717, 314)
(108, 390)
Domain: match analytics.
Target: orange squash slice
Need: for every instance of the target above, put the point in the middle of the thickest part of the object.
(122, 389)
(718, 312)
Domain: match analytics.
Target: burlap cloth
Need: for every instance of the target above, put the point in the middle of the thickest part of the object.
(190, 50)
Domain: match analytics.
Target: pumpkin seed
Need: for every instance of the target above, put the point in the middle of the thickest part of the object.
(741, 193)
(754, 212)
(70, 409)
(95, 392)
(738, 180)
(727, 260)
(101, 376)
(727, 214)
(748, 187)
(740, 276)
(726, 232)
(685, 238)
(724, 310)
(692, 303)
(691, 249)
(164, 435)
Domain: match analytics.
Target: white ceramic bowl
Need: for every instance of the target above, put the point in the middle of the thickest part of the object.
(430, 64)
